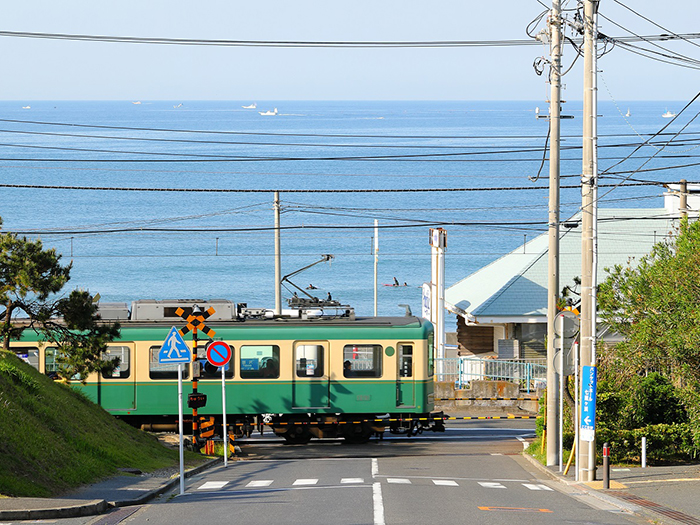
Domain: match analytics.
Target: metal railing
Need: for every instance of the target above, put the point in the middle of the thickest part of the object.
(529, 374)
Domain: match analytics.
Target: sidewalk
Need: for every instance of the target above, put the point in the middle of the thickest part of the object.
(117, 491)
(666, 494)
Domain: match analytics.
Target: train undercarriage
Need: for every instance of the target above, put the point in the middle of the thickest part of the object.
(302, 428)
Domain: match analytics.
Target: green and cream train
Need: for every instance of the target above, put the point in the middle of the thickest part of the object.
(308, 374)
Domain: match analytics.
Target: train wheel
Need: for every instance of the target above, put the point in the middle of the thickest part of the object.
(357, 434)
(297, 435)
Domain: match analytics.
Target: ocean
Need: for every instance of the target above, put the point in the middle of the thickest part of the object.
(128, 245)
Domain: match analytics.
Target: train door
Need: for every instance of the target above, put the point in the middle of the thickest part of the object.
(117, 390)
(405, 381)
(311, 381)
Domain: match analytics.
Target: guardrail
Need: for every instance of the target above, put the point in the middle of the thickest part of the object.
(529, 374)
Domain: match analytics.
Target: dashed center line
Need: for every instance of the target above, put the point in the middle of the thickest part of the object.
(536, 486)
(446, 482)
(260, 483)
(402, 481)
(213, 485)
(352, 480)
(491, 485)
(305, 482)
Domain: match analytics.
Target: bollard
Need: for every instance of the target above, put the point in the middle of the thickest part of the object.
(606, 466)
(644, 452)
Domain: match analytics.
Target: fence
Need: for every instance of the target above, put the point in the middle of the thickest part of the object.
(461, 370)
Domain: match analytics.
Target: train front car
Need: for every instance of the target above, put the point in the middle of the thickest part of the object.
(335, 376)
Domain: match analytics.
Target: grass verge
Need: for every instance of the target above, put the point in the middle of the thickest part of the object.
(53, 439)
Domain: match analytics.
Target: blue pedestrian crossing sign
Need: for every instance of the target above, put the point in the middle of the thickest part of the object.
(174, 349)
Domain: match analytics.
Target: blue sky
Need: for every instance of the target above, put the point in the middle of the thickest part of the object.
(54, 70)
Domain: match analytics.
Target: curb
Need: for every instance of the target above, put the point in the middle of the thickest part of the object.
(174, 481)
(623, 505)
(91, 508)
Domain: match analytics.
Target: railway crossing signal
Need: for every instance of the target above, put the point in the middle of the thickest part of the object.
(196, 322)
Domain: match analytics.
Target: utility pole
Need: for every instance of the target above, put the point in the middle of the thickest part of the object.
(684, 199)
(553, 427)
(587, 450)
(376, 262)
(278, 257)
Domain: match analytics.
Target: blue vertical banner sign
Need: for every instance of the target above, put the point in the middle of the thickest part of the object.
(589, 383)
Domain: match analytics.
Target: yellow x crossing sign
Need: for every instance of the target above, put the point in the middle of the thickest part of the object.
(196, 322)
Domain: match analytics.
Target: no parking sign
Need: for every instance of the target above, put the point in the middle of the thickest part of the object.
(218, 353)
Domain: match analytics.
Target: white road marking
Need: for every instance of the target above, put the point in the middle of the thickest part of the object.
(260, 483)
(352, 480)
(536, 486)
(378, 503)
(401, 481)
(213, 485)
(305, 482)
(496, 454)
(375, 467)
(491, 485)
(446, 482)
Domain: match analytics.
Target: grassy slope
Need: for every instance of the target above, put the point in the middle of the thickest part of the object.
(53, 439)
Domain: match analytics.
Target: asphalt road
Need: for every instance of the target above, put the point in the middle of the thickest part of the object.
(473, 473)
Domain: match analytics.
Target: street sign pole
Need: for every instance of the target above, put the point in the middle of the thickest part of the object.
(173, 351)
(219, 354)
(223, 410)
(180, 425)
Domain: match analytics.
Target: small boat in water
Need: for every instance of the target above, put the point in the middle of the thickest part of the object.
(628, 114)
(26, 107)
(268, 112)
(178, 106)
(252, 106)
(668, 114)
(137, 102)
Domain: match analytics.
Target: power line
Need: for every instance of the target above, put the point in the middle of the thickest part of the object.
(302, 43)
(315, 135)
(281, 190)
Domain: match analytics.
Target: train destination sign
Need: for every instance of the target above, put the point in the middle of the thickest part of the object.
(174, 349)
(218, 353)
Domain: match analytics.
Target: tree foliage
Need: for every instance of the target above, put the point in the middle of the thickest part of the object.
(30, 279)
(655, 307)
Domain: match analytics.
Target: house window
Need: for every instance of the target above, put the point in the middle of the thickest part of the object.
(531, 337)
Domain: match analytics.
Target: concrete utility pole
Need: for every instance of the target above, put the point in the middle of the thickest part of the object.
(278, 257)
(553, 426)
(438, 243)
(587, 454)
(376, 263)
(684, 199)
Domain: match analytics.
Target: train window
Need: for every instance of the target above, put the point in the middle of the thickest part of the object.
(260, 361)
(309, 360)
(51, 361)
(431, 362)
(157, 370)
(405, 360)
(209, 371)
(29, 355)
(123, 370)
(362, 360)
(52, 356)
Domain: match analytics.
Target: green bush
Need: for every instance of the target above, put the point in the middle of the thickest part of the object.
(665, 443)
